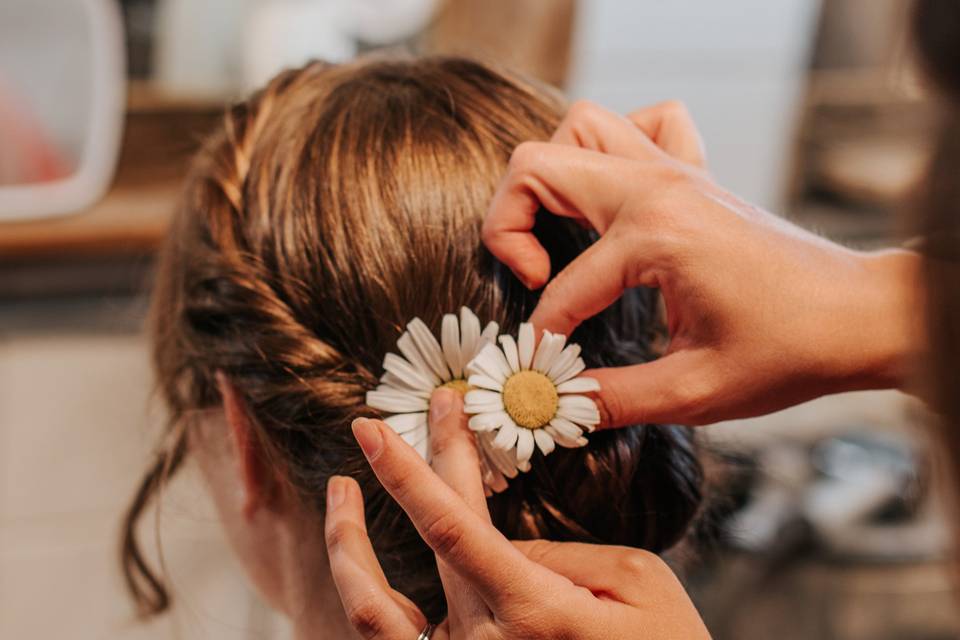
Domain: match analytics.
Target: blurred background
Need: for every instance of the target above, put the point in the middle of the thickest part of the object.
(827, 522)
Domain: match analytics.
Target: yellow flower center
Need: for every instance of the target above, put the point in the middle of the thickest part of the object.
(530, 398)
(458, 384)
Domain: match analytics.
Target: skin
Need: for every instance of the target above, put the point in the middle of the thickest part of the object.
(323, 575)
(278, 540)
(494, 588)
(761, 315)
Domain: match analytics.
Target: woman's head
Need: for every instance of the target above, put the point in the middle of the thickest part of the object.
(331, 208)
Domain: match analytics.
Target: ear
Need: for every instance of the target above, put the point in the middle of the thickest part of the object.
(256, 481)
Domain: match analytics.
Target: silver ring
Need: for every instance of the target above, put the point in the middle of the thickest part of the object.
(427, 632)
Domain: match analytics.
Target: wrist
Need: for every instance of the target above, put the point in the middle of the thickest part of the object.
(889, 330)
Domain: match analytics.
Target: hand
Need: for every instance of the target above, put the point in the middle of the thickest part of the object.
(761, 314)
(494, 588)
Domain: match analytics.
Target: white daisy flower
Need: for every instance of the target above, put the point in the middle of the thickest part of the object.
(521, 397)
(426, 365)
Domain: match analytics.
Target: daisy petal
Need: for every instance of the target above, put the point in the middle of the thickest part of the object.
(579, 409)
(488, 363)
(484, 382)
(490, 332)
(564, 360)
(409, 350)
(551, 344)
(482, 401)
(395, 401)
(526, 342)
(487, 421)
(406, 372)
(429, 347)
(564, 441)
(544, 441)
(500, 459)
(524, 445)
(501, 361)
(492, 476)
(404, 422)
(509, 346)
(419, 440)
(507, 436)
(392, 381)
(579, 385)
(450, 341)
(566, 428)
(571, 372)
(469, 334)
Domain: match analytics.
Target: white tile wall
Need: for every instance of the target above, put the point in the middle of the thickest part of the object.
(737, 64)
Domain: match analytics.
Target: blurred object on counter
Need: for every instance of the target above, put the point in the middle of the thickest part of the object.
(846, 529)
(866, 124)
(221, 48)
(198, 45)
(28, 155)
(531, 36)
(62, 86)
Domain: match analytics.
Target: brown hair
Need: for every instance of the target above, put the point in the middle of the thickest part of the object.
(331, 208)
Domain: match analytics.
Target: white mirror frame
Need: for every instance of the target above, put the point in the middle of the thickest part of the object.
(99, 158)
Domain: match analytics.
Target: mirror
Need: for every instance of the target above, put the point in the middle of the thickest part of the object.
(62, 100)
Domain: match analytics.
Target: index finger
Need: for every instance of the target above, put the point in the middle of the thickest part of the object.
(567, 181)
(470, 545)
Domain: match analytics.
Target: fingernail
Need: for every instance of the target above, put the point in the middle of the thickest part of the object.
(368, 437)
(441, 403)
(336, 492)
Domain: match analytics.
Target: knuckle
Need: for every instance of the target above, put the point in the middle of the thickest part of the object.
(340, 533)
(403, 484)
(536, 550)
(675, 107)
(367, 618)
(445, 537)
(443, 440)
(672, 174)
(639, 562)
(583, 111)
(525, 156)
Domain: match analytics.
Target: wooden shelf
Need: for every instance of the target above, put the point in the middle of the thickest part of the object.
(129, 220)
(161, 135)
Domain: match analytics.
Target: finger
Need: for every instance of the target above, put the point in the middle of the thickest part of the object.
(469, 544)
(454, 459)
(585, 287)
(671, 128)
(567, 181)
(672, 389)
(590, 126)
(368, 601)
(623, 574)
(453, 449)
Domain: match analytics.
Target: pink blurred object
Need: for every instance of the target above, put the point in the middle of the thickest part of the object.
(27, 155)
(62, 105)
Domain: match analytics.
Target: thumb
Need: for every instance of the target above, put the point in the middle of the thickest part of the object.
(587, 286)
(673, 388)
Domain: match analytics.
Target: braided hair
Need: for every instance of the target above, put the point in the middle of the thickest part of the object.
(331, 208)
